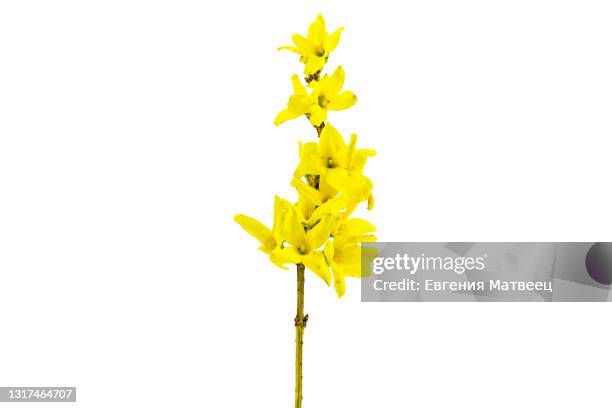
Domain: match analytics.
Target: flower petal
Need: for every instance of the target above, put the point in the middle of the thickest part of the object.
(315, 261)
(284, 116)
(317, 31)
(326, 143)
(313, 64)
(256, 229)
(298, 104)
(336, 81)
(350, 151)
(281, 209)
(294, 231)
(317, 115)
(331, 206)
(349, 258)
(328, 252)
(303, 44)
(332, 40)
(339, 283)
(283, 256)
(338, 178)
(317, 236)
(356, 226)
(307, 191)
(310, 160)
(298, 87)
(327, 191)
(331, 143)
(343, 101)
(290, 48)
(308, 149)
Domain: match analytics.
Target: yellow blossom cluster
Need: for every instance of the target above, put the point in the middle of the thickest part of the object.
(318, 230)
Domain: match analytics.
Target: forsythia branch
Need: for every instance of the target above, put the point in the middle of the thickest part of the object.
(317, 232)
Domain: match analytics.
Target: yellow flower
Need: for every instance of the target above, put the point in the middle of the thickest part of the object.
(344, 254)
(306, 240)
(271, 239)
(317, 232)
(315, 48)
(338, 165)
(324, 94)
(305, 236)
(313, 205)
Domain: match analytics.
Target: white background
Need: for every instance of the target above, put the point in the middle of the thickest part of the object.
(131, 132)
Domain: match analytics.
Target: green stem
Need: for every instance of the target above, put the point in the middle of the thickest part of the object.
(300, 318)
(300, 325)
